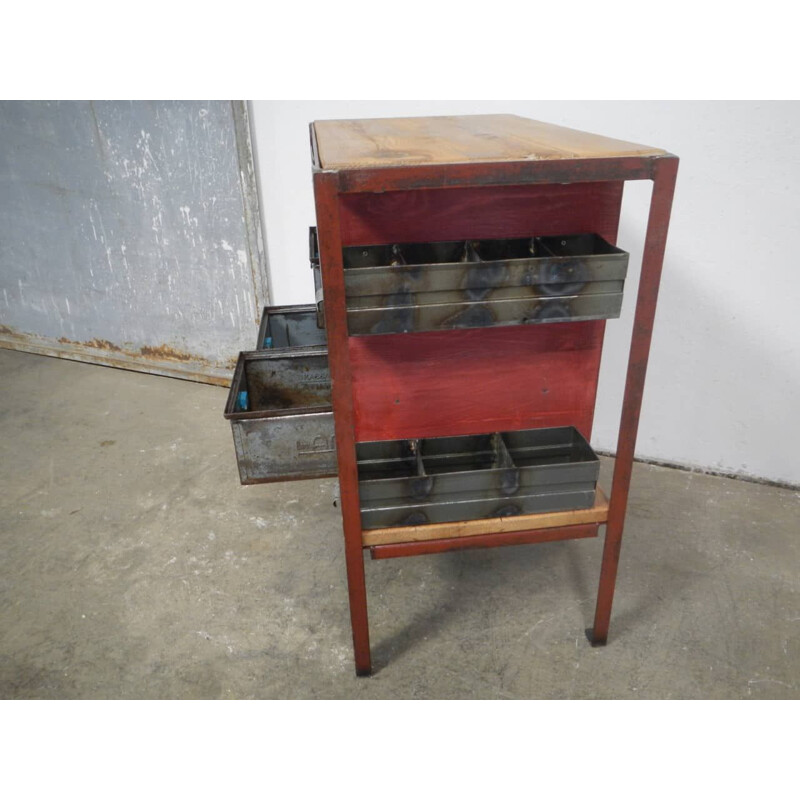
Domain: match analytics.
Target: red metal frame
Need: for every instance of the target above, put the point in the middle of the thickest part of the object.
(665, 172)
(333, 191)
(330, 249)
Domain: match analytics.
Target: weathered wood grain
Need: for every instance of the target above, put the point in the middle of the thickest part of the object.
(351, 144)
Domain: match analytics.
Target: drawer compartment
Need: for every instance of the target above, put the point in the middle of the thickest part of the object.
(454, 478)
(279, 407)
(285, 327)
(401, 288)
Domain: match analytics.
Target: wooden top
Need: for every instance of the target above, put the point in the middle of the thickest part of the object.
(370, 143)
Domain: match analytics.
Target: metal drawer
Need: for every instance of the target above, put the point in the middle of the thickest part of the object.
(467, 284)
(448, 479)
(290, 327)
(313, 257)
(279, 407)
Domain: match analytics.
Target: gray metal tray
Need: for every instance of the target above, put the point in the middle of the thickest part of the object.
(454, 478)
(467, 284)
(290, 327)
(279, 407)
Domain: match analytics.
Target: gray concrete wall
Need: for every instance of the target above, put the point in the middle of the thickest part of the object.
(129, 233)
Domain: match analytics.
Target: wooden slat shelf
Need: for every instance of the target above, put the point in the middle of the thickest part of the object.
(598, 514)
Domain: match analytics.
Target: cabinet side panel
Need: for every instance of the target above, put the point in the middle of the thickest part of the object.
(482, 212)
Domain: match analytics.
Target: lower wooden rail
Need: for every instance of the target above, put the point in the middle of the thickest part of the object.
(484, 540)
(598, 513)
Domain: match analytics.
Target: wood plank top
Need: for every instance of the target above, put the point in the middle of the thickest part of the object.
(405, 141)
(474, 527)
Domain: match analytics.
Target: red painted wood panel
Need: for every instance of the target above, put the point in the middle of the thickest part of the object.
(449, 383)
(482, 212)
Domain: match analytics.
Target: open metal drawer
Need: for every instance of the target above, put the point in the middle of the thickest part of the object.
(448, 479)
(279, 404)
(400, 288)
(290, 327)
(469, 284)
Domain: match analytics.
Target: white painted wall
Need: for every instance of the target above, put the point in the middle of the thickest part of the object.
(723, 385)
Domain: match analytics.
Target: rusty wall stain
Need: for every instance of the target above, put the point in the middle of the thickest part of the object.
(105, 353)
(99, 344)
(166, 353)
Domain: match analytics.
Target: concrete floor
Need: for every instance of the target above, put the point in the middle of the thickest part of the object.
(134, 565)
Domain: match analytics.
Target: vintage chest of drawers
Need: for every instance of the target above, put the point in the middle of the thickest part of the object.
(464, 270)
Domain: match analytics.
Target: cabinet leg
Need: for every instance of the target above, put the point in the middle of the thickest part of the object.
(598, 635)
(330, 247)
(357, 589)
(652, 261)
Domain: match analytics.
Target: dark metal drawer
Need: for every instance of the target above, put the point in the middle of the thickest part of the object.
(467, 284)
(279, 407)
(448, 479)
(285, 327)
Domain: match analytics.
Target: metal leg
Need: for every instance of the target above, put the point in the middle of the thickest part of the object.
(664, 173)
(327, 203)
(357, 589)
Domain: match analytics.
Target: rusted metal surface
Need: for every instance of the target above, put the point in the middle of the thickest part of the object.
(448, 479)
(402, 288)
(294, 447)
(279, 382)
(279, 407)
